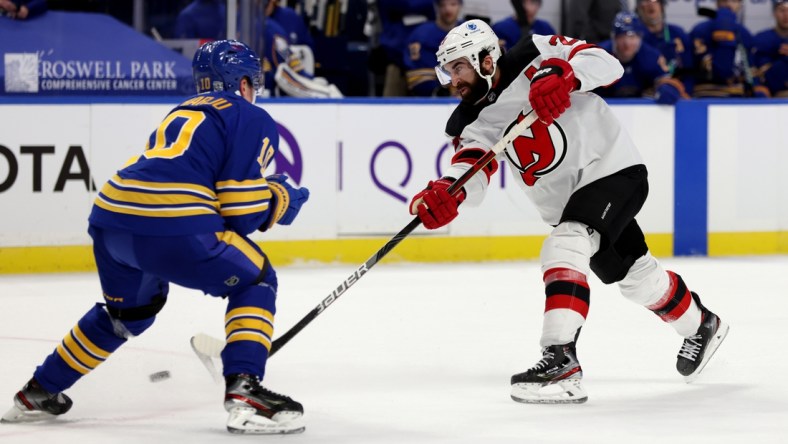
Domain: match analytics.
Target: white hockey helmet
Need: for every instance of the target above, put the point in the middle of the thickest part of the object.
(468, 40)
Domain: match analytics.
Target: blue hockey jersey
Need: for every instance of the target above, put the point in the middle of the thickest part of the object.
(771, 59)
(723, 57)
(509, 32)
(674, 44)
(420, 59)
(641, 74)
(202, 171)
(294, 25)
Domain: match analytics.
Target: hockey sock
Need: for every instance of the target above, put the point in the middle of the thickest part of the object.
(86, 346)
(566, 306)
(249, 327)
(677, 307)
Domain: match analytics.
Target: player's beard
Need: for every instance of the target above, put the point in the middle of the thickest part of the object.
(474, 91)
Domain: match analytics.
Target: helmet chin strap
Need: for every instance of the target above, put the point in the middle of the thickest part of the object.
(488, 79)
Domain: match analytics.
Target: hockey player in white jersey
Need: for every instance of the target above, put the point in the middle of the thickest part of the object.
(585, 176)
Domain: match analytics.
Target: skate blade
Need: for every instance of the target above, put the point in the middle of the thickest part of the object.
(714, 344)
(15, 415)
(569, 391)
(244, 420)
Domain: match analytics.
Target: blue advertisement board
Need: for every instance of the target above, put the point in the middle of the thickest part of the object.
(69, 53)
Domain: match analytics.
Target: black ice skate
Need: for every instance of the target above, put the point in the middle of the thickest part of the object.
(699, 348)
(33, 403)
(555, 379)
(257, 410)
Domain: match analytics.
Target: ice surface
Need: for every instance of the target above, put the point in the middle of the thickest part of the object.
(422, 354)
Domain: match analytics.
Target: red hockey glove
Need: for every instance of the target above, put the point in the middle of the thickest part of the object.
(550, 89)
(434, 205)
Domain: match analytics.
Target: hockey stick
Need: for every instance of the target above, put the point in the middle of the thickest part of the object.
(207, 346)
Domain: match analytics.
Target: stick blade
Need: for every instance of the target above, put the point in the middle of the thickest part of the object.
(206, 348)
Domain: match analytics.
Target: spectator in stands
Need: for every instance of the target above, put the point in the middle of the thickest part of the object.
(671, 40)
(523, 22)
(202, 19)
(398, 19)
(22, 9)
(291, 22)
(771, 52)
(723, 56)
(342, 43)
(590, 20)
(646, 73)
(423, 43)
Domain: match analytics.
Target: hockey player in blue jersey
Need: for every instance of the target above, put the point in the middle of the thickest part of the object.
(397, 20)
(771, 52)
(422, 44)
(202, 19)
(510, 29)
(181, 212)
(292, 22)
(646, 73)
(669, 39)
(723, 55)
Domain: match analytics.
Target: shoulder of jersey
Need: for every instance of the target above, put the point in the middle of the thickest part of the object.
(526, 47)
(676, 29)
(650, 50)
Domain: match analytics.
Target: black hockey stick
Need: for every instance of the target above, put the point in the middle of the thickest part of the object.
(204, 345)
(498, 148)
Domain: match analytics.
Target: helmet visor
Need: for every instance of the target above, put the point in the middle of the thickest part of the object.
(444, 77)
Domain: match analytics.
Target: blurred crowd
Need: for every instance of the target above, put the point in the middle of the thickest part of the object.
(718, 57)
(336, 48)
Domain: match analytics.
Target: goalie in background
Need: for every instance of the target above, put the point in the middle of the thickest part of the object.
(181, 212)
(291, 73)
(583, 174)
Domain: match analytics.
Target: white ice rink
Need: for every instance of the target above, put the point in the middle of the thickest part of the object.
(422, 354)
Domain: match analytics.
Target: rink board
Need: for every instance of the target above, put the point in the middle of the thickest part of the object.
(715, 182)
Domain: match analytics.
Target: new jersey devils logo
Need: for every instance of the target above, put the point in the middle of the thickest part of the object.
(538, 151)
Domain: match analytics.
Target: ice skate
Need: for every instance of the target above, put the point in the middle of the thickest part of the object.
(699, 348)
(555, 379)
(257, 410)
(33, 403)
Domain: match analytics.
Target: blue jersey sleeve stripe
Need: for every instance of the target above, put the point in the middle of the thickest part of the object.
(142, 199)
(153, 212)
(244, 196)
(243, 210)
(261, 182)
(163, 186)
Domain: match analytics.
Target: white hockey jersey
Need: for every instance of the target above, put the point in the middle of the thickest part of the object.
(584, 144)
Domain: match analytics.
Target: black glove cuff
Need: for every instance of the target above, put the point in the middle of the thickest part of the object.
(548, 70)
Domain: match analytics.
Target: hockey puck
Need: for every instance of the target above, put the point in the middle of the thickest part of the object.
(159, 376)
